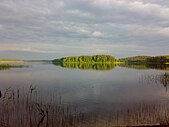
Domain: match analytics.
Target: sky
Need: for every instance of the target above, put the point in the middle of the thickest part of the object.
(47, 29)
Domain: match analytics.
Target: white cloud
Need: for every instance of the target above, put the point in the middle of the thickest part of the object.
(97, 34)
(164, 31)
(82, 30)
(134, 7)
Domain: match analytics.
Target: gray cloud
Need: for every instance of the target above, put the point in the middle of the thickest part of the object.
(75, 27)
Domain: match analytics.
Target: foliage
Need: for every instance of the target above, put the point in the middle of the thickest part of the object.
(135, 59)
(158, 60)
(107, 62)
(86, 59)
(147, 59)
(97, 62)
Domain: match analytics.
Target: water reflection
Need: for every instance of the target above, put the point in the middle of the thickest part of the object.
(88, 66)
(158, 79)
(110, 66)
(88, 98)
(7, 67)
(2, 67)
(146, 66)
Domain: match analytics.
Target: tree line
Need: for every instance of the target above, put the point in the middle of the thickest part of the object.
(158, 60)
(87, 59)
(112, 59)
(146, 60)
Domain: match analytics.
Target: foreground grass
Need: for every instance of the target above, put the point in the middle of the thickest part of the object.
(26, 109)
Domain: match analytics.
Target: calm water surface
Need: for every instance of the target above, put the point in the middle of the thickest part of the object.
(90, 90)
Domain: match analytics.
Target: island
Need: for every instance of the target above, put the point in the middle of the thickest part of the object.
(96, 62)
(108, 62)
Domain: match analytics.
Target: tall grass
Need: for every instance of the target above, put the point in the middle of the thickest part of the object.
(25, 109)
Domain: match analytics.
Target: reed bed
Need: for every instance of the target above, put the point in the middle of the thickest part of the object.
(26, 109)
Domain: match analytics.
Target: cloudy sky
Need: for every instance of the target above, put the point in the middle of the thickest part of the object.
(46, 29)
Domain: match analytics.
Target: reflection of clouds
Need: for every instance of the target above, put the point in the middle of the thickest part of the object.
(96, 89)
(90, 89)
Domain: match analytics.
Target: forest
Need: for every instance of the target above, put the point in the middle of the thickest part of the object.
(135, 59)
(87, 59)
(158, 60)
(112, 59)
(146, 60)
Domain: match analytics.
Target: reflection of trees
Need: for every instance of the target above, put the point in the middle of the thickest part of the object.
(158, 66)
(158, 60)
(158, 79)
(134, 66)
(4, 67)
(88, 66)
(146, 66)
(7, 66)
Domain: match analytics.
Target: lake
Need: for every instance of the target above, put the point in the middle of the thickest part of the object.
(113, 95)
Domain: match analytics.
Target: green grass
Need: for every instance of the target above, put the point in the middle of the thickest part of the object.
(10, 61)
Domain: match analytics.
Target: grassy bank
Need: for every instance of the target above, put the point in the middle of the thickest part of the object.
(7, 64)
(2, 61)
